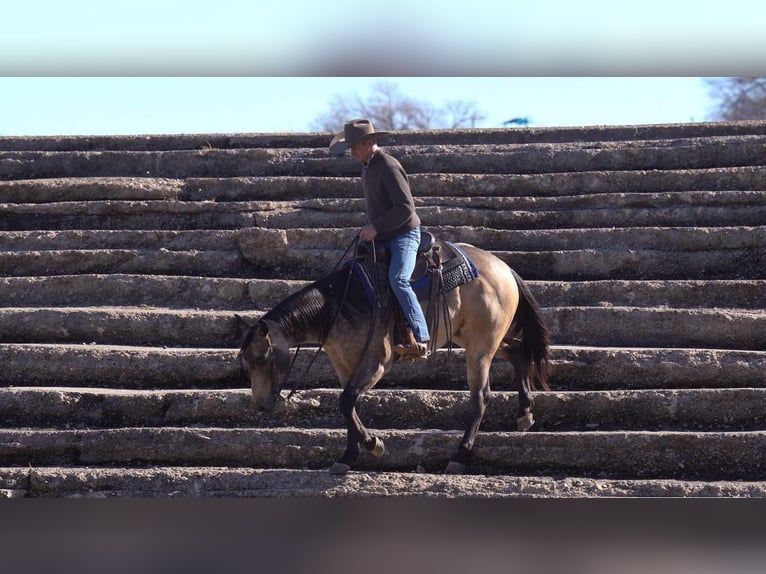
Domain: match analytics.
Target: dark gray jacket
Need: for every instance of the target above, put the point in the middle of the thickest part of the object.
(390, 207)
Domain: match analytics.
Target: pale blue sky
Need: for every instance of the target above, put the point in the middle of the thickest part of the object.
(97, 106)
(140, 66)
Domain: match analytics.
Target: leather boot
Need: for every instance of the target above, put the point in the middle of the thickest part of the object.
(412, 350)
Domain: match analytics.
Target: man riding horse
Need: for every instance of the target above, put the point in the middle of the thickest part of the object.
(392, 222)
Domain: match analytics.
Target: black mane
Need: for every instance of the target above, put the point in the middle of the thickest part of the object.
(313, 309)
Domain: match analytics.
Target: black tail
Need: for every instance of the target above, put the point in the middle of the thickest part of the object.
(535, 339)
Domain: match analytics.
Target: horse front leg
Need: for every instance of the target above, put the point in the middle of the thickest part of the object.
(357, 433)
(478, 384)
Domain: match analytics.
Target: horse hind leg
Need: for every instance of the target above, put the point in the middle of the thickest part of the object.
(478, 383)
(525, 419)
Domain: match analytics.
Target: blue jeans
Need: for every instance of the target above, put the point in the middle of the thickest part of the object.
(404, 250)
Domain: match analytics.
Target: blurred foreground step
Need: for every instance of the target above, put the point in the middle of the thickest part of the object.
(592, 326)
(685, 409)
(652, 454)
(583, 368)
(220, 482)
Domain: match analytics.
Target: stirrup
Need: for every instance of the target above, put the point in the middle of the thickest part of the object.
(412, 352)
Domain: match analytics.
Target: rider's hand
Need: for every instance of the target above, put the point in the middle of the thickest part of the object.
(368, 232)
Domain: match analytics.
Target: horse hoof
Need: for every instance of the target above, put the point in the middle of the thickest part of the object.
(525, 423)
(379, 449)
(454, 468)
(339, 468)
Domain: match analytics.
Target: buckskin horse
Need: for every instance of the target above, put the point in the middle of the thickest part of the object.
(491, 313)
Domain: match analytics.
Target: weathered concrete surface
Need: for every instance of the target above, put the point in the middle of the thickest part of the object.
(542, 185)
(209, 482)
(629, 237)
(574, 368)
(156, 262)
(604, 326)
(93, 239)
(662, 409)
(89, 189)
(619, 454)
(703, 152)
(153, 142)
(671, 239)
(174, 291)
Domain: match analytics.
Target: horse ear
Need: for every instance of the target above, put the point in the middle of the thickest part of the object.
(243, 321)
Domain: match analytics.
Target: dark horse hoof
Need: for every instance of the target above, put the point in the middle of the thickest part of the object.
(525, 422)
(379, 449)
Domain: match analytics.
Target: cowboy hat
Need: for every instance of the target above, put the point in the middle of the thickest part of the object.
(354, 132)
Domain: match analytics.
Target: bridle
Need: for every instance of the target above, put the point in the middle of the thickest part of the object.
(270, 355)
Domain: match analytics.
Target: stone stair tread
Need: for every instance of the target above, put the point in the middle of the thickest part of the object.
(236, 293)
(668, 238)
(574, 368)
(713, 455)
(610, 410)
(340, 214)
(659, 237)
(158, 141)
(725, 181)
(227, 482)
(543, 185)
(218, 328)
(703, 152)
(125, 258)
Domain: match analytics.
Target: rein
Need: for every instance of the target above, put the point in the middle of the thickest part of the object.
(354, 243)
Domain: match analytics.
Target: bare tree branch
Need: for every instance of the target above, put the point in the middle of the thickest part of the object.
(389, 110)
(738, 98)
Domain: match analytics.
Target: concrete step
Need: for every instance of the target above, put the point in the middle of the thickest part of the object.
(677, 209)
(645, 245)
(92, 239)
(226, 482)
(178, 291)
(302, 239)
(745, 263)
(635, 253)
(127, 215)
(574, 368)
(211, 263)
(291, 188)
(744, 178)
(500, 213)
(599, 326)
(294, 265)
(737, 455)
(651, 410)
(154, 142)
(686, 153)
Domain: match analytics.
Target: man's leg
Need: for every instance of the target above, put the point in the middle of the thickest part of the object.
(403, 254)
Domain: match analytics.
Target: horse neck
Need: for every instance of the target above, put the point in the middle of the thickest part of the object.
(299, 317)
